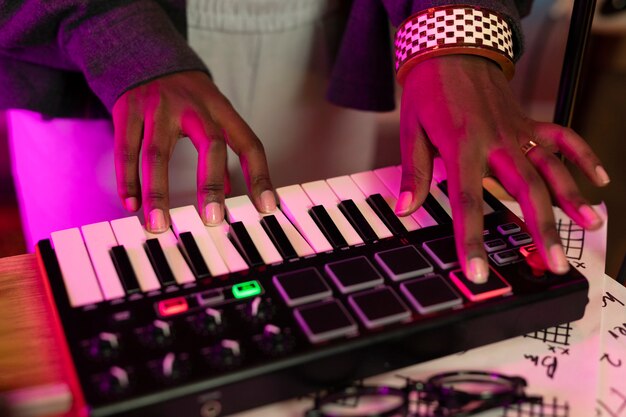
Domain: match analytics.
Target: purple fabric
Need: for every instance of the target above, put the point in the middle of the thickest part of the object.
(55, 55)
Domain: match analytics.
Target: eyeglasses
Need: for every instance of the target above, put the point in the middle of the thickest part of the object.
(459, 394)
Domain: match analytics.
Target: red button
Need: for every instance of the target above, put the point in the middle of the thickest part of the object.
(534, 260)
(527, 250)
(172, 306)
(537, 264)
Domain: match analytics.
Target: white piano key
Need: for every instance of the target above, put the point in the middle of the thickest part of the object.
(391, 177)
(440, 174)
(99, 239)
(370, 184)
(346, 189)
(295, 204)
(486, 208)
(241, 209)
(187, 219)
(175, 260)
(299, 244)
(79, 277)
(439, 170)
(130, 233)
(228, 252)
(441, 198)
(444, 201)
(321, 194)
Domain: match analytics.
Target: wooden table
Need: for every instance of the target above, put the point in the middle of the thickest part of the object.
(29, 348)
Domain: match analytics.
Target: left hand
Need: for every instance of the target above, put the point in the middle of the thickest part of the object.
(150, 118)
(462, 107)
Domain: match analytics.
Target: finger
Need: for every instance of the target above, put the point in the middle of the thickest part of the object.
(128, 126)
(251, 153)
(417, 166)
(227, 184)
(211, 147)
(576, 150)
(523, 182)
(466, 200)
(157, 148)
(563, 188)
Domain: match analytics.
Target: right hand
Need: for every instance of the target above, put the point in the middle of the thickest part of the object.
(462, 107)
(149, 120)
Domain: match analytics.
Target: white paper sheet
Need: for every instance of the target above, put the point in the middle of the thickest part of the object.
(578, 368)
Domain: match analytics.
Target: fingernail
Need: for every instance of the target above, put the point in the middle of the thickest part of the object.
(592, 220)
(157, 221)
(404, 201)
(558, 261)
(602, 175)
(213, 213)
(477, 269)
(131, 204)
(268, 201)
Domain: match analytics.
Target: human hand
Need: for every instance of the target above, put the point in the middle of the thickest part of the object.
(149, 120)
(462, 107)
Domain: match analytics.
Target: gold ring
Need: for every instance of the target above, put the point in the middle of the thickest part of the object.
(528, 146)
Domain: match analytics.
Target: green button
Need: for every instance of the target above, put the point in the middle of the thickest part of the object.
(246, 289)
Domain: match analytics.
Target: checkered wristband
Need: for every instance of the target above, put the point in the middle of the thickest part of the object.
(450, 30)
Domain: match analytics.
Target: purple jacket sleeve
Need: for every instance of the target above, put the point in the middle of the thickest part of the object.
(363, 76)
(115, 44)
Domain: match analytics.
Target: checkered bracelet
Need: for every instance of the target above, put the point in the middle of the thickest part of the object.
(457, 29)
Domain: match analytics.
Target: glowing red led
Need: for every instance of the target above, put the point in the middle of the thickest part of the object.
(172, 306)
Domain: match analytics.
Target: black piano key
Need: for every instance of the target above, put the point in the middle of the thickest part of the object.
(243, 240)
(382, 209)
(488, 198)
(443, 186)
(357, 220)
(278, 236)
(194, 257)
(493, 201)
(159, 262)
(327, 226)
(435, 210)
(124, 269)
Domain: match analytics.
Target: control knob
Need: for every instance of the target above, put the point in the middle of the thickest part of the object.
(172, 367)
(275, 341)
(209, 322)
(158, 334)
(259, 311)
(103, 347)
(114, 382)
(226, 354)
